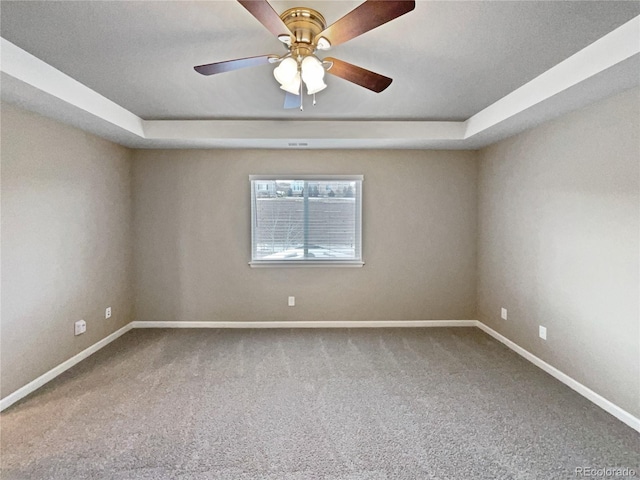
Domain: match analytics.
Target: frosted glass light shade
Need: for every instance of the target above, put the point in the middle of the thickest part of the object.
(313, 75)
(286, 71)
(293, 86)
(288, 76)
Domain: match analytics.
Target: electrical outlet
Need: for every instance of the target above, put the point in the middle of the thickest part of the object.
(542, 331)
(107, 313)
(292, 301)
(80, 327)
(503, 313)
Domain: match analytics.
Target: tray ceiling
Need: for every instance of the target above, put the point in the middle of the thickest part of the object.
(449, 60)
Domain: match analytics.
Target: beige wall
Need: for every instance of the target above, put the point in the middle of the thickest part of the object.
(66, 243)
(192, 238)
(553, 214)
(558, 244)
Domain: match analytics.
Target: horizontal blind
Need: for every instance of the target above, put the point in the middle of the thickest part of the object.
(309, 220)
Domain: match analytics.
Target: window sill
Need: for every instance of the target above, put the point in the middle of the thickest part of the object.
(307, 263)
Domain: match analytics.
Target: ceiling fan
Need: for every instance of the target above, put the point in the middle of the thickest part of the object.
(304, 31)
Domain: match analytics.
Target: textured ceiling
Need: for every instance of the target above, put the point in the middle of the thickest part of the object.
(448, 59)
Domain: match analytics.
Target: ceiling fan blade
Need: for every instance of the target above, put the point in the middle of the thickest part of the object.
(365, 17)
(229, 65)
(266, 15)
(291, 101)
(358, 75)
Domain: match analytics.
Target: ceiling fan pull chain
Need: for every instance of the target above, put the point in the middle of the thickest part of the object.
(300, 92)
(314, 99)
(301, 96)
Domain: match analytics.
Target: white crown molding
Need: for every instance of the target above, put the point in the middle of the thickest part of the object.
(616, 48)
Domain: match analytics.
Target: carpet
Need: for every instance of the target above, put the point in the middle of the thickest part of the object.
(389, 403)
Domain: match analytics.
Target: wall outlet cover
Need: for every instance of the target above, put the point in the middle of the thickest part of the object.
(107, 312)
(503, 313)
(80, 327)
(542, 331)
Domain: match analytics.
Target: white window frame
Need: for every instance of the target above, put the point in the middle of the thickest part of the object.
(357, 262)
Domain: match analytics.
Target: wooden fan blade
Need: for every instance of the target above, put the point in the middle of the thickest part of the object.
(358, 75)
(291, 101)
(367, 16)
(266, 15)
(229, 65)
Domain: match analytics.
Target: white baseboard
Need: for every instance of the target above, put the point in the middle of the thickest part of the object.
(64, 366)
(589, 394)
(586, 392)
(310, 324)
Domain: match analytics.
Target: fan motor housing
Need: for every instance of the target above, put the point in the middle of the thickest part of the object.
(305, 24)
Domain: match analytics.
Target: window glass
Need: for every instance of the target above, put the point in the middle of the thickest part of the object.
(306, 220)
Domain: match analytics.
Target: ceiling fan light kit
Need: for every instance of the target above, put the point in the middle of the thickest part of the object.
(312, 74)
(290, 71)
(304, 31)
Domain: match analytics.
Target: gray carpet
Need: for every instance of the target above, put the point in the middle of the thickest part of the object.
(304, 404)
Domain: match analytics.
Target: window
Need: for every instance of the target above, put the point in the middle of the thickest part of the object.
(306, 220)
